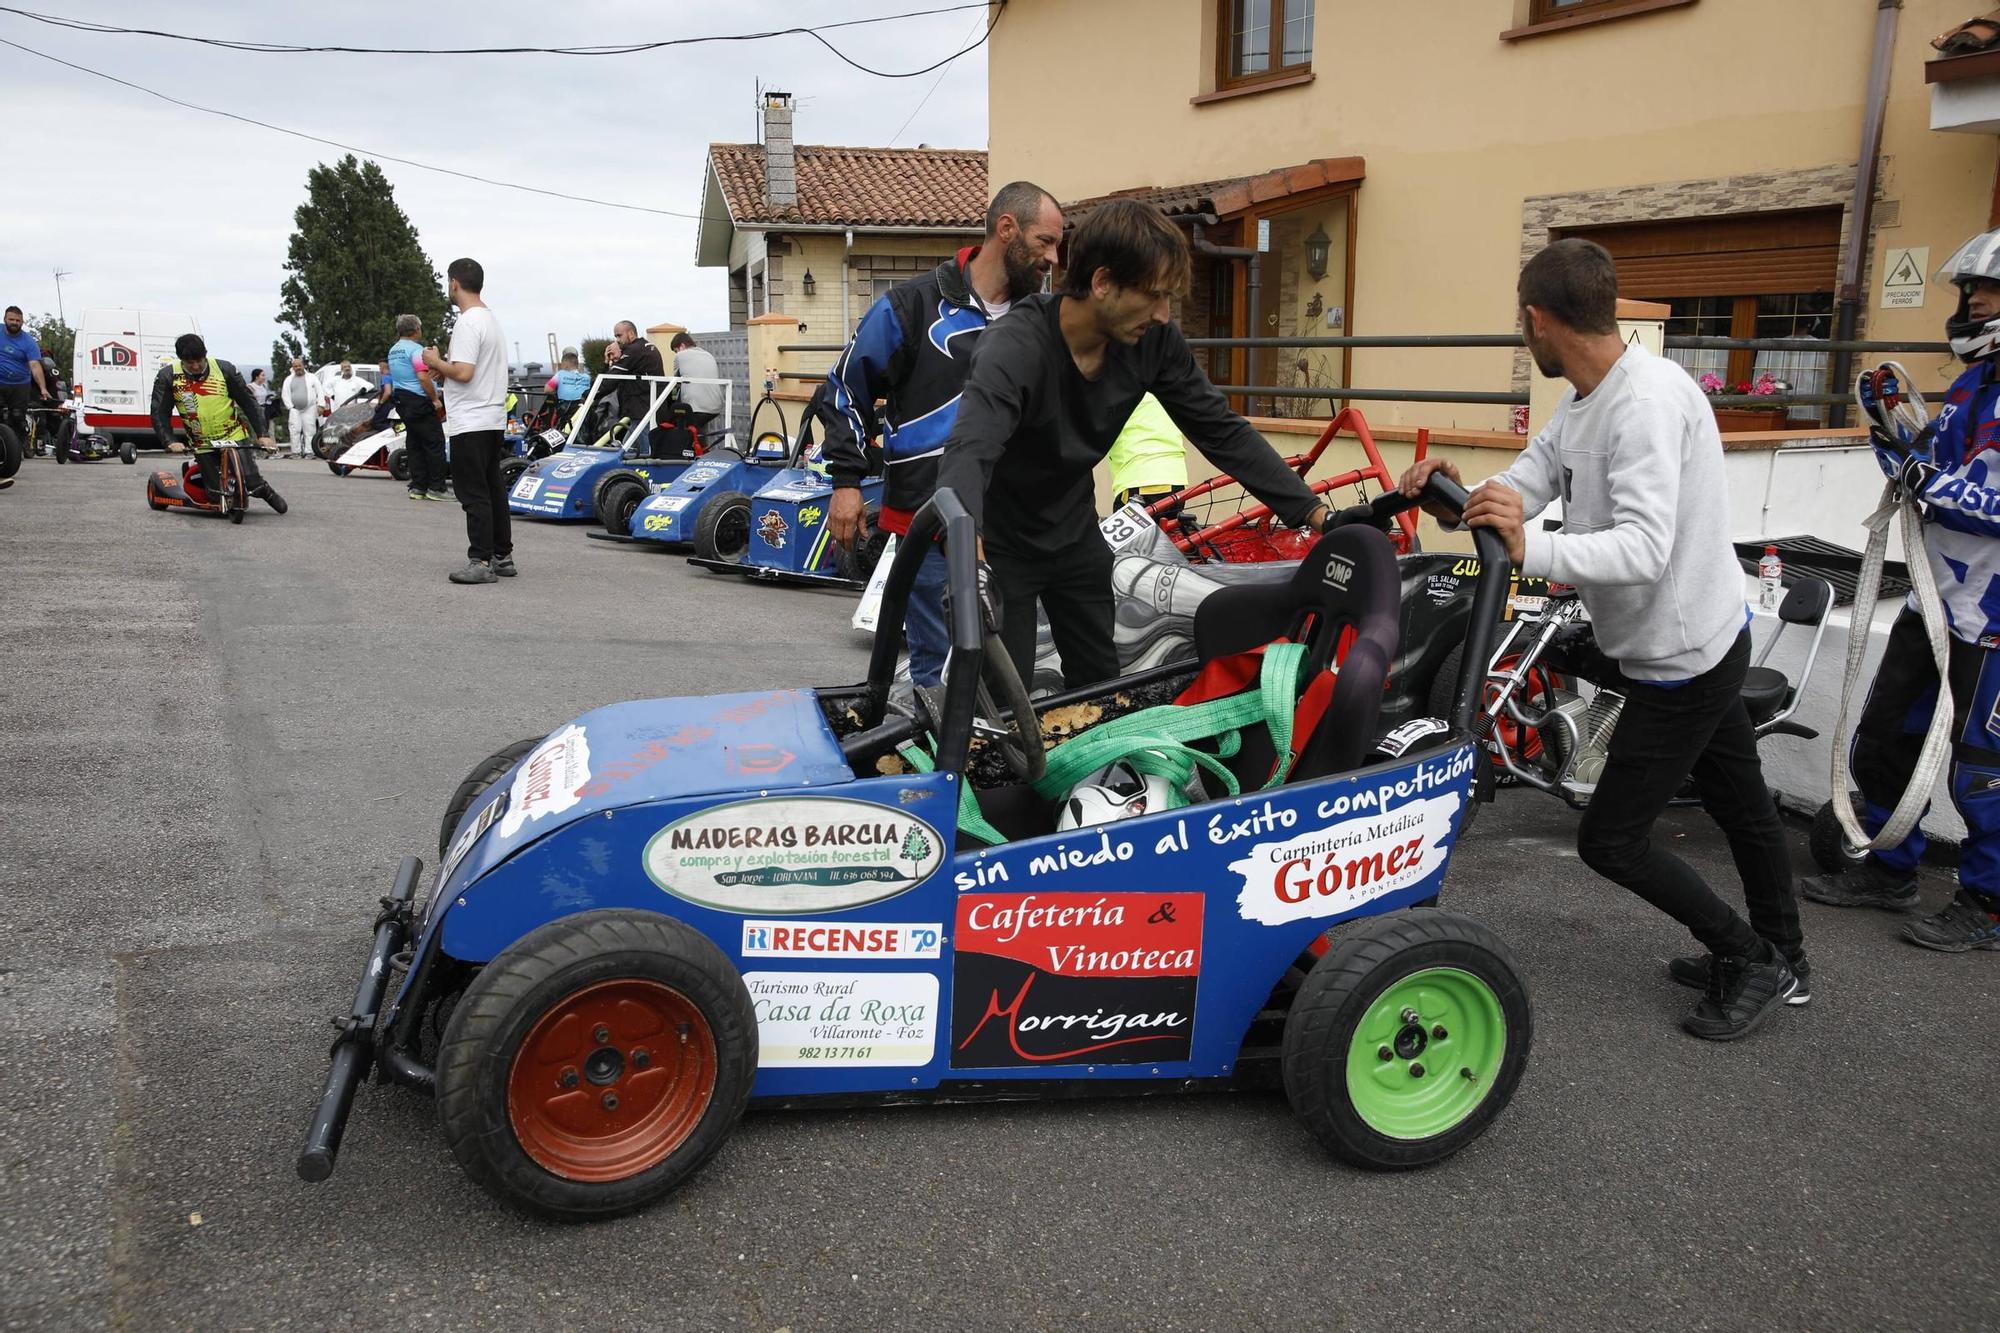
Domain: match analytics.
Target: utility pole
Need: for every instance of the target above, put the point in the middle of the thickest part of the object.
(61, 273)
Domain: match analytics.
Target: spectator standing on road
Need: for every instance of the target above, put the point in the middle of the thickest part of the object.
(347, 386)
(1948, 477)
(23, 383)
(301, 396)
(260, 389)
(475, 400)
(416, 402)
(1052, 386)
(629, 354)
(1633, 453)
(912, 349)
(699, 404)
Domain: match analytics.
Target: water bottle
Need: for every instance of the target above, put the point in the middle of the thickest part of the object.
(1770, 580)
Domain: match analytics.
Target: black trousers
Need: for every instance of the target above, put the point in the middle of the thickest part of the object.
(1074, 590)
(423, 437)
(1700, 729)
(210, 465)
(475, 476)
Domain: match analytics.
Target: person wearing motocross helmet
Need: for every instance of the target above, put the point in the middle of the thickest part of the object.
(215, 407)
(1949, 471)
(913, 348)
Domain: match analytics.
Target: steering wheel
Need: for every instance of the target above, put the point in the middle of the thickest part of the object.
(1020, 739)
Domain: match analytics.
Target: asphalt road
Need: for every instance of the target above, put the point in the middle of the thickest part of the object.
(217, 741)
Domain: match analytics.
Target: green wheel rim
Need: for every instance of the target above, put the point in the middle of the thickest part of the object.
(1426, 1084)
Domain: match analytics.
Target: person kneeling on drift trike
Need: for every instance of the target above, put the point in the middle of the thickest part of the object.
(1633, 453)
(215, 407)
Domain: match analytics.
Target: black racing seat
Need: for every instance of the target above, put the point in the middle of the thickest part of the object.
(1348, 580)
(1767, 691)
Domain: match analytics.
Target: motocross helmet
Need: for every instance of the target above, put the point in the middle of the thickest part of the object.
(1972, 339)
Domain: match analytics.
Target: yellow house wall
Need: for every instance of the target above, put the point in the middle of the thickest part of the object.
(826, 254)
(1459, 128)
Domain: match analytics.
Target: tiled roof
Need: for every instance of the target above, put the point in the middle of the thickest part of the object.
(859, 187)
(1233, 195)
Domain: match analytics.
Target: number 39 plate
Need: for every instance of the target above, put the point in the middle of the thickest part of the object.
(1125, 524)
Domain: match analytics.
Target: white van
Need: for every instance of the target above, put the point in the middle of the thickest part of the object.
(118, 351)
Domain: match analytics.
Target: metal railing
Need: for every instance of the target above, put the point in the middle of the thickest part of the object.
(1505, 398)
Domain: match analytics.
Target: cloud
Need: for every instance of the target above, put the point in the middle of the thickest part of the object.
(152, 205)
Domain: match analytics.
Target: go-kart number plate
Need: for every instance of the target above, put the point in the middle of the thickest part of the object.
(1125, 525)
(471, 835)
(669, 504)
(525, 488)
(553, 438)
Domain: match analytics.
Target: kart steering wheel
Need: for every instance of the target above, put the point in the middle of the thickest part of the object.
(1020, 739)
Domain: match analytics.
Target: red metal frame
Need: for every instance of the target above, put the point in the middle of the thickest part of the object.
(1228, 542)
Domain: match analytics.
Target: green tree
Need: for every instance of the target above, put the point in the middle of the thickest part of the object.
(916, 846)
(593, 354)
(353, 265)
(58, 341)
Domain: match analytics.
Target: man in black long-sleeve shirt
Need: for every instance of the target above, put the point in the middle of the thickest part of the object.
(1051, 386)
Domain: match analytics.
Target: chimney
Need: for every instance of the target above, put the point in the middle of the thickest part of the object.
(781, 182)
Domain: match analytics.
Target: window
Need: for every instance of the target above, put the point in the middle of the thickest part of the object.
(1260, 40)
(1794, 315)
(1541, 11)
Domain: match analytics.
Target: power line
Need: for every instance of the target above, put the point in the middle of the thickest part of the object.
(630, 48)
(350, 148)
(935, 83)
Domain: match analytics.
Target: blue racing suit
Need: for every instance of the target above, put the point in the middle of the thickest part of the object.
(1961, 525)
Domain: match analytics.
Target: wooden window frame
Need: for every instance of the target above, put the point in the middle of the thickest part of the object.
(1549, 11)
(1542, 20)
(1227, 82)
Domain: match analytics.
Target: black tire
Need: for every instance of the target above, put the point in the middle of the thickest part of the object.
(620, 502)
(483, 775)
(127, 454)
(511, 469)
(858, 564)
(603, 492)
(11, 451)
(543, 971)
(722, 532)
(1830, 849)
(1341, 994)
(399, 464)
(322, 447)
(336, 468)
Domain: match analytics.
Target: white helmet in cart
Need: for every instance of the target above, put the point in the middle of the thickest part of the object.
(1972, 339)
(1114, 793)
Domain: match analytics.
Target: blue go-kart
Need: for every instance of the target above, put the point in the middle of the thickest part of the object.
(668, 908)
(603, 462)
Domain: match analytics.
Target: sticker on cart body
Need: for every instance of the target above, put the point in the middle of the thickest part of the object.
(844, 1019)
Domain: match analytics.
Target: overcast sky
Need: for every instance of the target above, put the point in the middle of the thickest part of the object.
(148, 204)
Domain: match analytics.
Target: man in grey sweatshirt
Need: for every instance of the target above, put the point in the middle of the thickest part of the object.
(1633, 453)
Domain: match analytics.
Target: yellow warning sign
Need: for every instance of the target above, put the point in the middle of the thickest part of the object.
(1903, 279)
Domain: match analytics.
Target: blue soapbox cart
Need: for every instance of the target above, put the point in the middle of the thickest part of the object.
(667, 909)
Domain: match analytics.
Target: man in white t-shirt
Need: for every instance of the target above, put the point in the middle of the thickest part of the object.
(474, 382)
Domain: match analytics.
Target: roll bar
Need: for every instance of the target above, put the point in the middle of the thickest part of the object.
(942, 515)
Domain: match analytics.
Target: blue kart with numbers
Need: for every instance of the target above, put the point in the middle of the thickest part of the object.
(600, 465)
(667, 908)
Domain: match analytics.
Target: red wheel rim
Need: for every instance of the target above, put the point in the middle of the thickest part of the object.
(1536, 689)
(611, 1080)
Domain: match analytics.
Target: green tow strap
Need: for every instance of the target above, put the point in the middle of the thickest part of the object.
(1156, 740)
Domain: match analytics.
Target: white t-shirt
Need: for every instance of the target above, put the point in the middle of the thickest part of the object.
(481, 402)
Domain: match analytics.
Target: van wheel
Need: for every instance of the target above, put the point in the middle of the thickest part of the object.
(1407, 1039)
(596, 1064)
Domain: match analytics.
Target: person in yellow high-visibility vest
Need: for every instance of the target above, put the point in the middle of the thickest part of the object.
(1149, 457)
(215, 407)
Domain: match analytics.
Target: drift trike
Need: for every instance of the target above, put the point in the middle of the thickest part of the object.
(605, 462)
(667, 908)
(185, 491)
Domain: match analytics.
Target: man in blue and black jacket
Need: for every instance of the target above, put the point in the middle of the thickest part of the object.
(913, 349)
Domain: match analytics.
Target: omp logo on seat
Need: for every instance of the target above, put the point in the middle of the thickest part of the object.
(1339, 571)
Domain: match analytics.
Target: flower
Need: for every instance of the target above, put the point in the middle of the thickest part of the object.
(1763, 386)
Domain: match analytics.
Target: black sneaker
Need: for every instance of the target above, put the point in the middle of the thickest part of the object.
(1741, 995)
(1965, 924)
(1693, 970)
(504, 567)
(271, 497)
(1872, 884)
